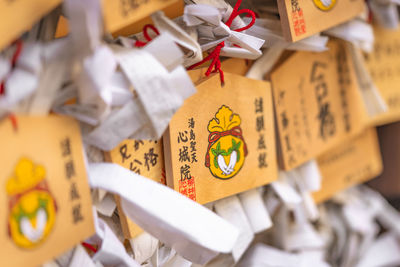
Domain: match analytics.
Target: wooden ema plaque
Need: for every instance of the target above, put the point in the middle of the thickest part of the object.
(237, 66)
(20, 15)
(45, 193)
(143, 157)
(119, 14)
(301, 19)
(222, 140)
(126, 18)
(352, 162)
(384, 66)
(318, 106)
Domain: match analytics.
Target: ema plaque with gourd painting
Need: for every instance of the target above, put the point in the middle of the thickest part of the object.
(45, 194)
(221, 141)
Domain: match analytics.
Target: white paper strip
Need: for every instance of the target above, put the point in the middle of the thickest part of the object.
(231, 210)
(373, 100)
(152, 83)
(310, 176)
(192, 230)
(55, 72)
(256, 212)
(111, 251)
(285, 190)
(191, 46)
(264, 64)
(81, 258)
(118, 126)
(385, 13)
(107, 205)
(385, 251)
(356, 31)
(212, 30)
(263, 255)
(143, 246)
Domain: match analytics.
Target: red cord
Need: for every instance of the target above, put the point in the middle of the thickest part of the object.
(14, 60)
(17, 53)
(14, 121)
(146, 35)
(370, 14)
(89, 246)
(214, 55)
(255, 13)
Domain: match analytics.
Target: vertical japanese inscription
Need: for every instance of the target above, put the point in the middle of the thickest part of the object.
(187, 156)
(260, 128)
(327, 126)
(129, 6)
(298, 22)
(344, 83)
(70, 174)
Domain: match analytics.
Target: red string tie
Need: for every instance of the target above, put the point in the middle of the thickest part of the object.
(89, 246)
(146, 35)
(215, 136)
(214, 56)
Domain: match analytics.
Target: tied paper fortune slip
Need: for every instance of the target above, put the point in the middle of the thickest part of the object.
(143, 157)
(384, 66)
(45, 194)
(354, 161)
(318, 106)
(301, 19)
(221, 141)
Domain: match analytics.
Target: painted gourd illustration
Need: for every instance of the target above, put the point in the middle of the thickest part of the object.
(32, 208)
(227, 149)
(325, 5)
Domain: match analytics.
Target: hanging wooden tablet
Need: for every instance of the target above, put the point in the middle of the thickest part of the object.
(45, 194)
(352, 162)
(143, 157)
(19, 16)
(122, 14)
(232, 65)
(317, 103)
(300, 19)
(384, 66)
(221, 141)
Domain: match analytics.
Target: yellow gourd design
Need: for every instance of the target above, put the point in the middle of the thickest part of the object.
(32, 208)
(227, 149)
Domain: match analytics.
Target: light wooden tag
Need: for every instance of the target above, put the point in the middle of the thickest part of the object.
(232, 65)
(317, 103)
(119, 14)
(384, 66)
(145, 158)
(222, 141)
(19, 16)
(118, 24)
(301, 19)
(45, 201)
(352, 162)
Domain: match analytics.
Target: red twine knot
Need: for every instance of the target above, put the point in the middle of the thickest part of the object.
(146, 35)
(213, 137)
(214, 56)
